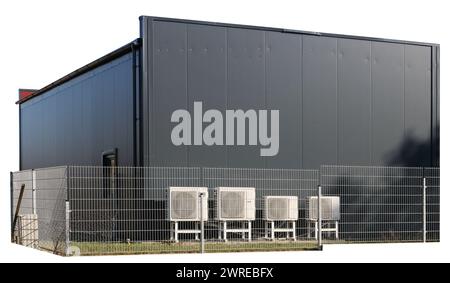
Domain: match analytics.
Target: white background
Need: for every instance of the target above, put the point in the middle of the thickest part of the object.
(40, 41)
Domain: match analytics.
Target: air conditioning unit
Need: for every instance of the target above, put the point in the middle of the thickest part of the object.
(280, 208)
(184, 204)
(235, 204)
(330, 206)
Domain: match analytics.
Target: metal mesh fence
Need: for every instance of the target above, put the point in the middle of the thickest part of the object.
(432, 204)
(80, 210)
(41, 213)
(122, 210)
(127, 210)
(258, 209)
(378, 204)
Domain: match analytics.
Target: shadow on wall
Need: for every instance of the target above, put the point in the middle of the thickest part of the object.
(378, 204)
(412, 152)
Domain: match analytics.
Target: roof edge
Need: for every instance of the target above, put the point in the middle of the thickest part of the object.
(94, 64)
(356, 37)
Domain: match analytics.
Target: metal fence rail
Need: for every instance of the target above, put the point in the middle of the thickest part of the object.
(271, 228)
(85, 210)
(122, 210)
(382, 204)
(432, 181)
(41, 215)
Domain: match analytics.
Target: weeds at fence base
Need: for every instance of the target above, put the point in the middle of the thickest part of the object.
(92, 248)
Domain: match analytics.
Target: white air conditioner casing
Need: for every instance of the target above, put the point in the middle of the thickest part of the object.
(235, 203)
(330, 206)
(184, 204)
(280, 208)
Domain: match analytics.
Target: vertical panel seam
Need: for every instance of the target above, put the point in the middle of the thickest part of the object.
(265, 84)
(302, 99)
(404, 92)
(337, 101)
(151, 98)
(371, 105)
(186, 40)
(226, 86)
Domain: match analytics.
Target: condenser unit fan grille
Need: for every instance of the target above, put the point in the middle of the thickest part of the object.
(278, 208)
(184, 205)
(233, 205)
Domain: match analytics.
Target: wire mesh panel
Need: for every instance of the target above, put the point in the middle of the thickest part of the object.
(140, 210)
(124, 210)
(41, 217)
(22, 183)
(377, 204)
(51, 195)
(432, 177)
(258, 209)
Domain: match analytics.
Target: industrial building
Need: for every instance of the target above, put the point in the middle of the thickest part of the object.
(340, 99)
(235, 129)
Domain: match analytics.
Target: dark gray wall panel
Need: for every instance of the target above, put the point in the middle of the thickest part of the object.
(246, 86)
(169, 91)
(319, 101)
(388, 101)
(284, 93)
(354, 97)
(341, 100)
(207, 82)
(417, 144)
(74, 123)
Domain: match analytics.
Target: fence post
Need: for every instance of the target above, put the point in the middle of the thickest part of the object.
(424, 209)
(33, 191)
(202, 224)
(67, 229)
(67, 224)
(319, 216)
(11, 176)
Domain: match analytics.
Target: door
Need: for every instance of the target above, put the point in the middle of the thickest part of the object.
(110, 197)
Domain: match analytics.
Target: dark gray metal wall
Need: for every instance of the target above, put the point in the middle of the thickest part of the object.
(341, 100)
(75, 122)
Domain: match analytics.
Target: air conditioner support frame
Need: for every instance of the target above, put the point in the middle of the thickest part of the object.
(271, 228)
(245, 229)
(175, 230)
(328, 223)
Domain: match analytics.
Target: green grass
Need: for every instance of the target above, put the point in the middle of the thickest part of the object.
(95, 248)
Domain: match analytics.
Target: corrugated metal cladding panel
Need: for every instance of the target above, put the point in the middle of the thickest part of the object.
(284, 92)
(388, 83)
(170, 85)
(341, 100)
(74, 123)
(246, 86)
(319, 101)
(207, 58)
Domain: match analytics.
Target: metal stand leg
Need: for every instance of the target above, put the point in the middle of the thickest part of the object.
(220, 231)
(249, 231)
(308, 230)
(176, 232)
(337, 230)
(243, 233)
(272, 231)
(316, 228)
(197, 228)
(266, 230)
(294, 231)
(225, 231)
